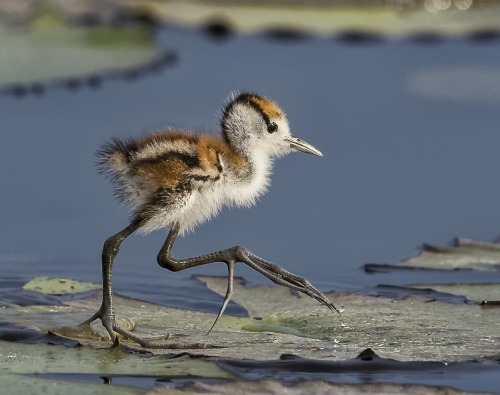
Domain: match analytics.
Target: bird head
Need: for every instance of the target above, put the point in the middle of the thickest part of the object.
(252, 123)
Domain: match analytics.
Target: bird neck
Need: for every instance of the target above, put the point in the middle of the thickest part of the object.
(249, 170)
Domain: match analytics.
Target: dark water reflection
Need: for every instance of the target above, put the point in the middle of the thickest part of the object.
(409, 133)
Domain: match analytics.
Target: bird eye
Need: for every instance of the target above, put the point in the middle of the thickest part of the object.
(272, 127)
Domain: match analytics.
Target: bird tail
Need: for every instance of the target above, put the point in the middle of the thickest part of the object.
(113, 161)
(114, 157)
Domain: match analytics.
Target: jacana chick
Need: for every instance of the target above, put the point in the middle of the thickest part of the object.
(177, 180)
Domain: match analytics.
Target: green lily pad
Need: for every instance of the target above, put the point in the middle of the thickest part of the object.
(58, 286)
(26, 367)
(405, 327)
(55, 52)
(413, 328)
(464, 254)
(325, 18)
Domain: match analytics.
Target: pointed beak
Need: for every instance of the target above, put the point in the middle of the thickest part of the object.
(303, 146)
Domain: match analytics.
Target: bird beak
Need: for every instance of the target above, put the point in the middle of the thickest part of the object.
(303, 146)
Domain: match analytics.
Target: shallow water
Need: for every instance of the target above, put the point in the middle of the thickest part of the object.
(408, 131)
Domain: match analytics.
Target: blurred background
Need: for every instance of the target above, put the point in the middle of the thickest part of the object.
(402, 97)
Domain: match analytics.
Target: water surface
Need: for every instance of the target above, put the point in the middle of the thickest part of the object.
(409, 134)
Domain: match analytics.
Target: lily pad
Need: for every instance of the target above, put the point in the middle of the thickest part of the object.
(325, 18)
(58, 286)
(38, 368)
(463, 254)
(62, 52)
(291, 18)
(412, 328)
(429, 331)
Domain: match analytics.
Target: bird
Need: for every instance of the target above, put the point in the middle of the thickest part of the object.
(176, 179)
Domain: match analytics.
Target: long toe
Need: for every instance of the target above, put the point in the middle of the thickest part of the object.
(148, 341)
(97, 315)
(283, 277)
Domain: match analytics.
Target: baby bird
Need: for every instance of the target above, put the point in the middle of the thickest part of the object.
(177, 180)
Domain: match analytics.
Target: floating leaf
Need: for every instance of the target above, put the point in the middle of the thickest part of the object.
(409, 328)
(476, 293)
(60, 363)
(58, 286)
(412, 327)
(463, 254)
(327, 19)
(59, 52)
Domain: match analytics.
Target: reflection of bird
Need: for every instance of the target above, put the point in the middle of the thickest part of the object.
(178, 180)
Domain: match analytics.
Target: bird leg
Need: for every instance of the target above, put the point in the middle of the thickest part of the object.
(166, 260)
(230, 256)
(106, 312)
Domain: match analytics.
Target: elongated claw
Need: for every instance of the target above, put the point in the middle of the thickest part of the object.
(229, 293)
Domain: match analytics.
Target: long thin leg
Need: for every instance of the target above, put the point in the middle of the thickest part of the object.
(106, 312)
(166, 260)
(230, 256)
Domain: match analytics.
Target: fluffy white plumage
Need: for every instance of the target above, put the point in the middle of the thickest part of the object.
(177, 177)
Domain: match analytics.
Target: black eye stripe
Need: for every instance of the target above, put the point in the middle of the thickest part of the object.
(272, 127)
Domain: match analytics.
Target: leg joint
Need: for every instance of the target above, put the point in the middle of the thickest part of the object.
(168, 262)
(239, 252)
(110, 247)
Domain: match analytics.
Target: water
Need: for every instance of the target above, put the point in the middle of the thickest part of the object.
(408, 131)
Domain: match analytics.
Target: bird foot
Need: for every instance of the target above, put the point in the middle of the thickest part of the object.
(108, 321)
(283, 277)
(273, 272)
